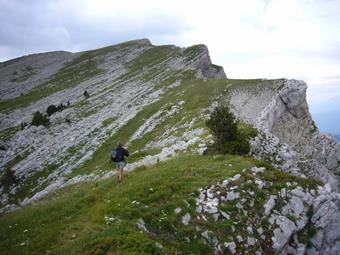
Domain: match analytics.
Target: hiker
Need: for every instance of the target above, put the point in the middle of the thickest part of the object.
(118, 157)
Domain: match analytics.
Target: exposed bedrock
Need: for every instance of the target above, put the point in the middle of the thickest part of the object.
(280, 109)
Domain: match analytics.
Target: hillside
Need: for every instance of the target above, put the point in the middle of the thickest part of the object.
(156, 99)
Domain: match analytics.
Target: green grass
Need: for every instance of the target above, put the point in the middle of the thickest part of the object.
(8, 133)
(71, 221)
(197, 94)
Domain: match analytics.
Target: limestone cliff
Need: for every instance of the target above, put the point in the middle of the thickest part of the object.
(289, 139)
(289, 136)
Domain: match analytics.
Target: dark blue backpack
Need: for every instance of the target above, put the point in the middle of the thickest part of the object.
(113, 155)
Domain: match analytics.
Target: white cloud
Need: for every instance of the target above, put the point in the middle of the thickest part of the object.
(250, 38)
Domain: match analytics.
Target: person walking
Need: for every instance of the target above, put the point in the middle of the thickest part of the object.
(119, 159)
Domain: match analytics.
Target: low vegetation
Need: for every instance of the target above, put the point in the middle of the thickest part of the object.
(8, 178)
(101, 217)
(53, 109)
(40, 119)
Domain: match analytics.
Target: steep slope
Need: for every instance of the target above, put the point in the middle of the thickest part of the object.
(279, 109)
(127, 82)
(156, 99)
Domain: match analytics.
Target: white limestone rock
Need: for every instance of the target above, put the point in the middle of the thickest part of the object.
(251, 241)
(231, 195)
(269, 205)
(178, 210)
(141, 225)
(231, 246)
(186, 219)
(282, 234)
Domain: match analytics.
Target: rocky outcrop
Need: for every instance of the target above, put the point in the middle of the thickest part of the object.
(326, 220)
(290, 220)
(288, 138)
(198, 58)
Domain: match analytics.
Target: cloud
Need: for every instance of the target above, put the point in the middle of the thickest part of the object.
(249, 38)
(35, 26)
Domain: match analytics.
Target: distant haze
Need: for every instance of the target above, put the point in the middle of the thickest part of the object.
(328, 122)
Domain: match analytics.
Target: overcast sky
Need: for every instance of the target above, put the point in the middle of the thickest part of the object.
(250, 38)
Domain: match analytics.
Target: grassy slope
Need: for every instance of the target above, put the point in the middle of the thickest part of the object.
(72, 220)
(80, 210)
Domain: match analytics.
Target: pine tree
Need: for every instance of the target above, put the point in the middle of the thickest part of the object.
(224, 128)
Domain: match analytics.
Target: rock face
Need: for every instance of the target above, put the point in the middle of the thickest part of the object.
(288, 137)
(294, 219)
(202, 62)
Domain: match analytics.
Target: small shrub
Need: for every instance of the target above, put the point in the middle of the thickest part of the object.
(86, 94)
(23, 125)
(61, 107)
(40, 119)
(51, 109)
(8, 179)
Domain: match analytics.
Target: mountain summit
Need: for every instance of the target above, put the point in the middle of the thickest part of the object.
(61, 113)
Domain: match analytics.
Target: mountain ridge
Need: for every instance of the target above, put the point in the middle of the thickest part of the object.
(156, 99)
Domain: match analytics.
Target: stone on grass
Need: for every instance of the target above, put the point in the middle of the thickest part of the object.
(141, 225)
(260, 230)
(232, 195)
(250, 241)
(225, 215)
(231, 246)
(178, 210)
(209, 237)
(235, 177)
(260, 183)
(216, 216)
(159, 246)
(225, 183)
(185, 219)
(258, 169)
